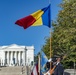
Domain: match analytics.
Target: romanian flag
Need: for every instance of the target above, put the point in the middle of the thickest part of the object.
(38, 18)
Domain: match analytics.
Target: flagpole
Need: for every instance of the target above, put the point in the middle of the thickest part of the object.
(50, 48)
(50, 39)
(50, 44)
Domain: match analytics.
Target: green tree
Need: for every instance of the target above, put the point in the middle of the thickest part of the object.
(64, 34)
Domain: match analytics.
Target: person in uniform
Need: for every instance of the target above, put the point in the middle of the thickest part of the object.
(59, 70)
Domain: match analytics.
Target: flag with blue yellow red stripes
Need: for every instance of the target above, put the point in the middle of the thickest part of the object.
(38, 18)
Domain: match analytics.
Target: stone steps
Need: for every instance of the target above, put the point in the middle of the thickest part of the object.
(16, 70)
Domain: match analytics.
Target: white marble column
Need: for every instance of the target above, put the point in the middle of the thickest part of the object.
(24, 58)
(15, 57)
(25, 51)
(19, 58)
(4, 59)
(11, 57)
(8, 58)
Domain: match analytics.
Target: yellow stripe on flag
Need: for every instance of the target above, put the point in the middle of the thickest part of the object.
(38, 22)
(37, 14)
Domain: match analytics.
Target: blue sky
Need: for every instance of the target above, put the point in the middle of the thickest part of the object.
(12, 10)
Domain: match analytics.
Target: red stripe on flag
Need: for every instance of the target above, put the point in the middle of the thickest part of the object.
(35, 70)
(26, 21)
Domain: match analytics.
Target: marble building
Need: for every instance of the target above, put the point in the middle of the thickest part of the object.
(16, 55)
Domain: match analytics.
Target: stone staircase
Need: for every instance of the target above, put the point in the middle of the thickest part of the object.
(14, 70)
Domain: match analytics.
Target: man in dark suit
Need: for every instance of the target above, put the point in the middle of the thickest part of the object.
(59, 70)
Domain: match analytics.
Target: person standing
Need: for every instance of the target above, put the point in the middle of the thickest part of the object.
(59, 70)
